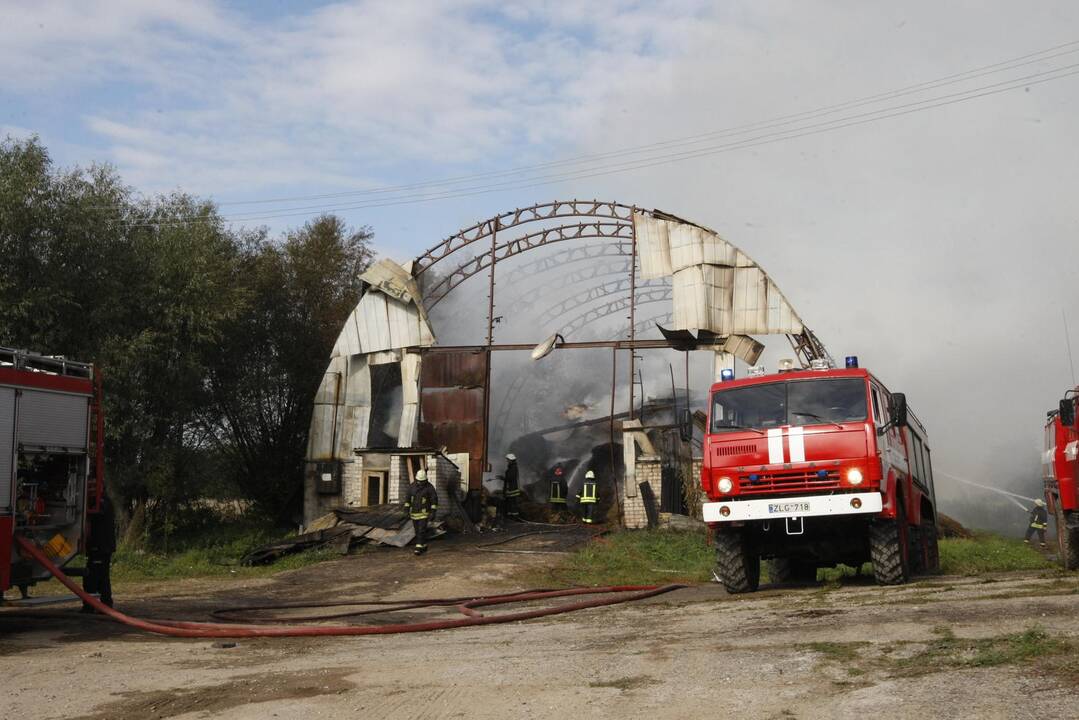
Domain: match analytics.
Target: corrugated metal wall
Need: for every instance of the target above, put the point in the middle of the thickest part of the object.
(716, 286)
(452, 401)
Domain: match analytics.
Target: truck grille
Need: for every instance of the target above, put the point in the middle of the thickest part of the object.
(724, 450)
(782, 482)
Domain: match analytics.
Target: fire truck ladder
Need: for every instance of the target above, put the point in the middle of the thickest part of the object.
(52, 364)
(808, 347)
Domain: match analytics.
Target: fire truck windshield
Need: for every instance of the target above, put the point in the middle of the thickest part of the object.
(827, 401)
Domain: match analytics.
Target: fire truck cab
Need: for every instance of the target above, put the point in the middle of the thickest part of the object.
(815, 467)
(51, 460)
(1060, 473)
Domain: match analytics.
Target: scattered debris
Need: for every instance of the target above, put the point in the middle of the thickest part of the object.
(346, 528)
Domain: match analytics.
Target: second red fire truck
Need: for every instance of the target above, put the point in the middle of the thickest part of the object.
(1060, 472)
(51, 459)
(814, 467)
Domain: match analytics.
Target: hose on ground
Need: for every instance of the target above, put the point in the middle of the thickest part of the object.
(489, 546)
(177, 628)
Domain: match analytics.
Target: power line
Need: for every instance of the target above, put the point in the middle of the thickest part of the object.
(702, 137)
(780, 121)
(794, 133)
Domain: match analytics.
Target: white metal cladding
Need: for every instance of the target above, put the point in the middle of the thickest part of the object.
(653, 247)
(7, 445)
(381, 323)
(53, 419)
(410, 398)
(717, 287)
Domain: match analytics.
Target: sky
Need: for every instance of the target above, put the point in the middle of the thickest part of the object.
(938, 245)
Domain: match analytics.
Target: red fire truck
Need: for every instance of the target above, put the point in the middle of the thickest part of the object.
(814, 467)
(51, 459)
(1060, 471)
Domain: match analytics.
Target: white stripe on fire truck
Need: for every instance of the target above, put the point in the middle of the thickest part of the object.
(797, 444)
(775, 445)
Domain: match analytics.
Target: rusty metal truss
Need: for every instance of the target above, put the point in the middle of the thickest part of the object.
(525, 297)
(650, 295)
(510, 248)
(565, 257)
(521, 216)
(598, 292)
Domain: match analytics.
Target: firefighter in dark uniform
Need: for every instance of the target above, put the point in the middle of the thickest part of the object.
(587, 497)
(559, 490)
(421, 506)
(1039, 520)
(100, 545)
(511, 487)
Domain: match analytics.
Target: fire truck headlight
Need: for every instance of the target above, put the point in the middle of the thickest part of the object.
(854, 476)
(725, 485)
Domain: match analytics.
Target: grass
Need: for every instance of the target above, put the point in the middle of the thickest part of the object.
(657, 557)
(986, 553)
(643, 557)
(949, 652)
(212, 554)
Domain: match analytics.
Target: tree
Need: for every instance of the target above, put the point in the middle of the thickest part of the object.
(265, 374)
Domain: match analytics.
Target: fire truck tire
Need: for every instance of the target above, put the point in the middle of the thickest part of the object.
(1067, 539)
(889, 549)
(931, 545)
(737, 564)
(785, 570)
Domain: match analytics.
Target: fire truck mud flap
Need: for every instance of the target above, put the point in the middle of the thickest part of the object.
(793, 507)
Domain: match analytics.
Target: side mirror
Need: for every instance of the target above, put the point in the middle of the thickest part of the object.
(1067, 412)
(685, 425)
(899, 409)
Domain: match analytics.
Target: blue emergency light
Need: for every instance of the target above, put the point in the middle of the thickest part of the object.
(852, 361)
(822, 474)
(726, 374)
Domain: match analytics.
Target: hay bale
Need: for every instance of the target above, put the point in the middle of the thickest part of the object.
(952, 528)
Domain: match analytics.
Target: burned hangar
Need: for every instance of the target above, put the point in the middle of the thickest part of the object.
(525, 333)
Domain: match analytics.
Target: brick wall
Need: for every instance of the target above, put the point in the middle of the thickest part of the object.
(650, 470)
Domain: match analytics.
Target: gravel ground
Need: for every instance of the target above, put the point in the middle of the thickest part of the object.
(785, 652)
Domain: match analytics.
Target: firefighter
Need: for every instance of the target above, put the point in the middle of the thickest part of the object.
(421, 506)
(558, 489)
(1039, 520)
(587, 497)
(100, 545)
(511, 488)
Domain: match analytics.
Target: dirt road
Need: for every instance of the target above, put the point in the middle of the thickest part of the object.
(944, 647)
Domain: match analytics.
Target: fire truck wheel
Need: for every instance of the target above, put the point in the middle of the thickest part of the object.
(737, 564)
(785, 570)
(889, 549)
(1067, 539)
(931, 546)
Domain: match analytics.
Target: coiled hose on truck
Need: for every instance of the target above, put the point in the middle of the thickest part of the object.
(466, 606)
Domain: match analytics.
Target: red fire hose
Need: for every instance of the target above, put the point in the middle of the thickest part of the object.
(466, 606)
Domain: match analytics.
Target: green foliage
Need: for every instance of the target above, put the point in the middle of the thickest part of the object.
(640, 557)
(211, 341)
(985, 553)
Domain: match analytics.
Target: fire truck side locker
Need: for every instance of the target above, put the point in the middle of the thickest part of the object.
(7, 480)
